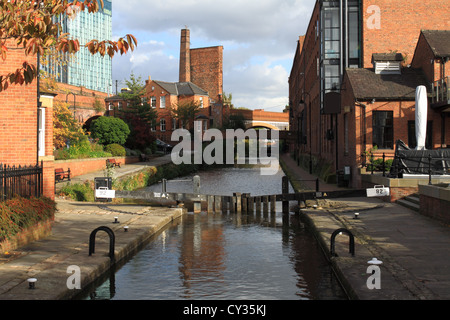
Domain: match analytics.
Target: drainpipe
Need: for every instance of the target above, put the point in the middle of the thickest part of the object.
(363, 127)
(37, 109)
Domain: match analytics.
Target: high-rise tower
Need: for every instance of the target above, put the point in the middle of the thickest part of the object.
(84, 69)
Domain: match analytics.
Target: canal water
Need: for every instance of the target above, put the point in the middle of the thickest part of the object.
(226, 256)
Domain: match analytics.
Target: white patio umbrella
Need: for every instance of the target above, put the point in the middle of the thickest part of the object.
(421, 116)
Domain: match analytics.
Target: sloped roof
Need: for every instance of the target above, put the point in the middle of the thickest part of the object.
(368, 85)
(391, 56)
(182, 88)
(439, 42)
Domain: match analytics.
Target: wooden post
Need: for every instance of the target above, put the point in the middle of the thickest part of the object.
(250, 207)
(258, 204)
(218, 204)
(225, 204)
(197, 206)
(273, 202)
(210, 200)
(232, 204)
(238, 202)
(265, 204)
(285, 191)
(245, 197)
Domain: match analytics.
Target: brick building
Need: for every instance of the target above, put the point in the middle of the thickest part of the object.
(26, 139)
(354, 75)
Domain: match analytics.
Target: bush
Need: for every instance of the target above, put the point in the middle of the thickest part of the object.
(78, 191)
(110, 130)
(81, 150)
(116, 150)
(20, 213)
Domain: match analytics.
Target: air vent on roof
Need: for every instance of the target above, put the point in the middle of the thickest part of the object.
(387, 63)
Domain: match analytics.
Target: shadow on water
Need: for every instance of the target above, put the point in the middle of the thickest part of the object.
(226, 256)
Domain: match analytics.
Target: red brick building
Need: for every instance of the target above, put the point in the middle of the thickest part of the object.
(354, 75)
(26, 139)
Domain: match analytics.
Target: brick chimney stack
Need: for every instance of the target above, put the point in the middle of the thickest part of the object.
(185, 56)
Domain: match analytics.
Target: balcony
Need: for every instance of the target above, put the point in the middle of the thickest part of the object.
(440, 93)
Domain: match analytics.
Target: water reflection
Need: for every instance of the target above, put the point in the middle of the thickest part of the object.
(227, 256)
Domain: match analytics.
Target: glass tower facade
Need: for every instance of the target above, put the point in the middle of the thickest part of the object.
(84, 69)
(340, 29)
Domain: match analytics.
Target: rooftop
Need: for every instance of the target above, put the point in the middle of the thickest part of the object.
(439, 42)
(368, 85)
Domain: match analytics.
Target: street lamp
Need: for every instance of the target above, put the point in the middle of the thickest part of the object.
(310, 129)
(67, 95)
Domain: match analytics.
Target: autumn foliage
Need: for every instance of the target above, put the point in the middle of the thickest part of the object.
(32, 26)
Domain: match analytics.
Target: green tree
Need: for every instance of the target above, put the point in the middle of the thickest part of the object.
(185, 112)
(138, 114)
(110, 130)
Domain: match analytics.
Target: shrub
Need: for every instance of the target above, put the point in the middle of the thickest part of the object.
(115, 149)
(79, 191)
(80, 150)
(20, 213)
(110, 130)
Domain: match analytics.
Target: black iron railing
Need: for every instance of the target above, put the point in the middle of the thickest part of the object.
(436, 163)
(23, 181)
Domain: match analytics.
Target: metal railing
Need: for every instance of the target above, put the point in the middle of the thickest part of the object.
(23, 181)
(440, 90)
(393, 165)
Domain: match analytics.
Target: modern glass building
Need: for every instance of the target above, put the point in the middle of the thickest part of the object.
(84, 69)
(340, 42)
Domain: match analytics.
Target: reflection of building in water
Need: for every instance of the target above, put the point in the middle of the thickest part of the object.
(202, 256)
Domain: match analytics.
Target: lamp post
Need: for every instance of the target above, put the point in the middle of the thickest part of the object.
(74, 97)
(310, 129)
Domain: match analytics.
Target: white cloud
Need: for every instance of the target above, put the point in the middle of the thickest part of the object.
(259, 39)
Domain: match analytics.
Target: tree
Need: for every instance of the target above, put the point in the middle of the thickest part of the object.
(138, 114)
(185, 112)
(66, 129)
(109, 130)
(33, 27)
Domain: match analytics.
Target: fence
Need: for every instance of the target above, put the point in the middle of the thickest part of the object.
(435, 162)
(24, 181)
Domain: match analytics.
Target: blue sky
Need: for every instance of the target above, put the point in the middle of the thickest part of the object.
(259, 40)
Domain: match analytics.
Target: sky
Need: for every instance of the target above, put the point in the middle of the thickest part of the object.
(259, 39)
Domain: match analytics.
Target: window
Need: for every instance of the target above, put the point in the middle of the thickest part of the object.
(153, 102)
(174, 124)
(201, 102)
(162, 125)
(162, 102)
(383, 129)
(110, 106)
(119, 107)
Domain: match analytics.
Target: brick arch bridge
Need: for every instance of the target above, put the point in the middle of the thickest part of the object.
(262, 118)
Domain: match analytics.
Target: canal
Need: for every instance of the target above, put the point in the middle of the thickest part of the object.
(226, 256)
